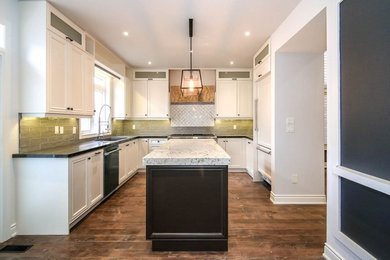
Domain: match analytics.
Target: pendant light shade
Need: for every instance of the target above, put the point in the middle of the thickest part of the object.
(191, 79)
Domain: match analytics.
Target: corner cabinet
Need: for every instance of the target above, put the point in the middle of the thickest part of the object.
(150, 95)
(234, 94)
(56, 71)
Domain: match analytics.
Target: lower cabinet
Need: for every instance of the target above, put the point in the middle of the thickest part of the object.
(128, 160)
(236, 149)
(143, 149)
(85, 183)
(249, 152)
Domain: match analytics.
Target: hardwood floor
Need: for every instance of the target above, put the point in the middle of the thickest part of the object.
(257, 229)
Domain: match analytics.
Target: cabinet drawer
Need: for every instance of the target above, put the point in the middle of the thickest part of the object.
(264, 163)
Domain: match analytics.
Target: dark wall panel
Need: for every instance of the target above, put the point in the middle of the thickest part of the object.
(365, 218)
(365, 86)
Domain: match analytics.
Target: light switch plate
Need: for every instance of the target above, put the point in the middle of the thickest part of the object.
(290, 124)
(133, 126)
(74, 130)
(61, 130)
(294, 178)
(56, 130)
(234, 126)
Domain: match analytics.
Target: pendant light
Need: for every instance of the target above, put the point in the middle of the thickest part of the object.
(191, 80)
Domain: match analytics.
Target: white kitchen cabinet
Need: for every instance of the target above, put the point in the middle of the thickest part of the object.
(158, 98)
(75, 87)
(143, 149)
(89, 84)
(150, 99)
(122, 161)
(121, 96)
(244, 98)
(226, 98)
(85, 182)
(235, 147)
(95, 177)
(128, 159)
(78, 175)
(54, 75)
(233, 94)
(263, 120)
(249, 153)
(262, 62)
(139, 99)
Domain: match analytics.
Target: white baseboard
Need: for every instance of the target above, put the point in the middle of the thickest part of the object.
(330, 253)
(13, 230)
(297, 199)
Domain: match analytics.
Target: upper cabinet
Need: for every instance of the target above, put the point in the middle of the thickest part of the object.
(56, 70)
(150, 95)
(234, 94)
(262, 62)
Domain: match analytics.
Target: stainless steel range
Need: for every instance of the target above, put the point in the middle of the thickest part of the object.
(192, 136)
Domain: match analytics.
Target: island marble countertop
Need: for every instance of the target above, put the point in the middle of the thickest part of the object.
(188, 152)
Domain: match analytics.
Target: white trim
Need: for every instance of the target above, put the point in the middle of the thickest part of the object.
(13, 230)
(330, 253)
(354, 247)
(297, 199)
(361, 178)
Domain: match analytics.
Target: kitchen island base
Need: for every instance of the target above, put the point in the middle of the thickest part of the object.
(187, 207)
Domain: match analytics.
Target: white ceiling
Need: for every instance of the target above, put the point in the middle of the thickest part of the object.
(158, 30)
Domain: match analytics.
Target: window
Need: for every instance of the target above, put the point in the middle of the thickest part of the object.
(89, 127)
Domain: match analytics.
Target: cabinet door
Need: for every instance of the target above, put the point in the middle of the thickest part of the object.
(264, 111)
(226, 98)
(75, 86)
(249, 156)
(56, 73)
(245, 100)
(143, 149)
(89, 86)
(158, 98)
(236, 150)
(119, 96)
(133, 157)
(122, 162)
(95, 168)
(78, 186)
(140, 98)
(222, 143)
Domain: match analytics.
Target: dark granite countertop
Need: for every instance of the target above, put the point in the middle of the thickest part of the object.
(88, 146)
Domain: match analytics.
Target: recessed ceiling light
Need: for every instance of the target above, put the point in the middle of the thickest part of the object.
(125, 33)
(149, 62)
(231, 62)
(247, 33)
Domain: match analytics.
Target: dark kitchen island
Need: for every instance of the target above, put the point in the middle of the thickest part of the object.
(187, 196)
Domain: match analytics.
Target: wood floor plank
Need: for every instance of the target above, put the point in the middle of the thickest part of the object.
(258, 229)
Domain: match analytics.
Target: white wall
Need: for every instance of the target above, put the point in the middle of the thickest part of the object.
(9, 118)
(299, 94)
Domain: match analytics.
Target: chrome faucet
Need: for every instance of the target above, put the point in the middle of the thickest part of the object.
(100, 121)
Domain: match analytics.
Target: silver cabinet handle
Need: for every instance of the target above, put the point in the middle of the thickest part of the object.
(117, 150)
(263, 149)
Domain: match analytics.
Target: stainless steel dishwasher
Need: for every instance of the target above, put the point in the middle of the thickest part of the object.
(111, 169)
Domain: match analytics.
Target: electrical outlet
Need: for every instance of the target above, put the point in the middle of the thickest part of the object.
(56, 130)
(234, 126)
(133, 126)
(294, 178)
(74, 130)
(61, 130)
